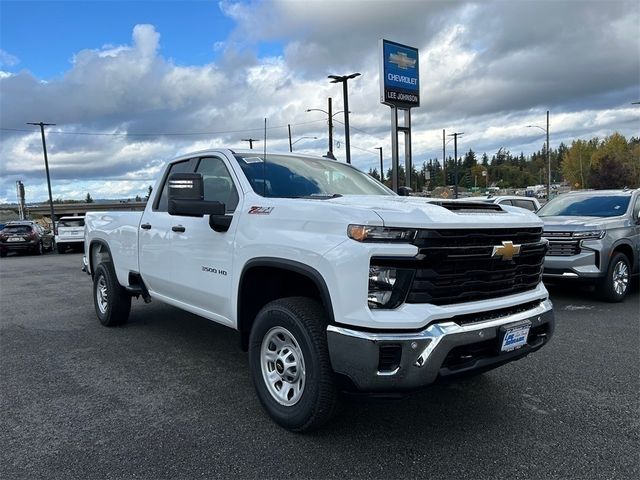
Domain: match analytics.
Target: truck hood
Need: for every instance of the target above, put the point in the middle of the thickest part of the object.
(576, 224)
(416, 212)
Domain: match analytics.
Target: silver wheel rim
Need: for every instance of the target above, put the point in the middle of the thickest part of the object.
(282, 365)
(101, 294)
(620, 277)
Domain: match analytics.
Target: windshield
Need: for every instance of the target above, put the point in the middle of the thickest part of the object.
(71, 223)
(586, 206)
(298, 177)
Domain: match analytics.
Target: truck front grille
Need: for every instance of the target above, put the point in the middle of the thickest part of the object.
(456, 266)
(563, 249)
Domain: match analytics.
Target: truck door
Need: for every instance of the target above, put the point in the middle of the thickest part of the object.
(199, 258)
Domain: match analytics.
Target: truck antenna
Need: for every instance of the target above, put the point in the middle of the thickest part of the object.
(264, 161)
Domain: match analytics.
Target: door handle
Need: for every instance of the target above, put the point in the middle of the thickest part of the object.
(178, 228)
(146, 226)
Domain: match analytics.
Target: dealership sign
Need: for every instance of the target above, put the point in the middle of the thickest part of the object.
(399, 75)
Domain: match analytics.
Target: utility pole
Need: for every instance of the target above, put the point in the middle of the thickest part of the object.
(344, 79)
(330, 116)
(46, 166)
(444, 160)
(548, 161)
(455, 160)
(250, 140)
(381, 167)
(290, 144)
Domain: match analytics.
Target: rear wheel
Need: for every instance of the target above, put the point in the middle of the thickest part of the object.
(290, 366)
(614, 287)
(61, 248)
(112, 302)
(38, 249)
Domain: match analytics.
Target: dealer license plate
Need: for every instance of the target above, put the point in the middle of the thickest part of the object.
(15, 239)
(515, 338)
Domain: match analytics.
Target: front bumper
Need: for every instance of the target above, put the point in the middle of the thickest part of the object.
(442, 349)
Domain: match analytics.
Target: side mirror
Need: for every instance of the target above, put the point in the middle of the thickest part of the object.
(186, 197)
(404, 191)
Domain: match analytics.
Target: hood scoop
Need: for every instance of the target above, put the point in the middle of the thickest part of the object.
(470, 207)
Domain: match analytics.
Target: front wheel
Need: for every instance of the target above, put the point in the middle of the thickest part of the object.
(615, 285)
(290, 366)
(61, 248)
(112, 302)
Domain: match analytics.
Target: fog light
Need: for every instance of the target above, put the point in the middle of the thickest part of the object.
(388, 286)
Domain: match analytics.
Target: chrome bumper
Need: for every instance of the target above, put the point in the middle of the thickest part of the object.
(356, 353)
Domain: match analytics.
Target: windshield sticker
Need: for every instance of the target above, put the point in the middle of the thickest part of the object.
(252, 159)
(260, 210)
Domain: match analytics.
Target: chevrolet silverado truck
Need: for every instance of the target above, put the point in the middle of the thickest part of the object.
(332, 280)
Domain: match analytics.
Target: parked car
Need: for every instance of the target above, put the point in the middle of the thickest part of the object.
(25, 236)
(594, 236)
(70, 233)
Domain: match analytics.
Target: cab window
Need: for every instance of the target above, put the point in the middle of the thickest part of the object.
(186, 166)
(528, 204)
(217, 182)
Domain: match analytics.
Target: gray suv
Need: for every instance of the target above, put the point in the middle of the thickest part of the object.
(594, 236)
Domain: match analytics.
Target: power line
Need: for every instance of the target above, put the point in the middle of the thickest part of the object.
(162, 134)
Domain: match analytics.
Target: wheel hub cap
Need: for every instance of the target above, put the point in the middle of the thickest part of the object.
(282, 365)
(101, 295)
(620, 278)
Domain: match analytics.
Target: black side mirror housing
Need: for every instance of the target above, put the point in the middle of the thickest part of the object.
(186, 198)
(404, 191)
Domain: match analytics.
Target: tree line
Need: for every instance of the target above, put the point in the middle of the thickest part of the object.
(612, 162)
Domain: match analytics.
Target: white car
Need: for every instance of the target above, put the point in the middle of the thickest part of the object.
(70, 233)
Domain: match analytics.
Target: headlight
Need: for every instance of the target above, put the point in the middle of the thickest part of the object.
(388, 286)
(591, 234)
(364, 233)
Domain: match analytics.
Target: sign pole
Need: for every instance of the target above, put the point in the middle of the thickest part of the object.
(394, 149)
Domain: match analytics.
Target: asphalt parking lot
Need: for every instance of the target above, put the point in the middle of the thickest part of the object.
(169, 396)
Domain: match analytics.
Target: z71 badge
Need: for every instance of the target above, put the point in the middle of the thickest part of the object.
(260, 210)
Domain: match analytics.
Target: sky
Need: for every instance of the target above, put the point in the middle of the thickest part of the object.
(130, 85)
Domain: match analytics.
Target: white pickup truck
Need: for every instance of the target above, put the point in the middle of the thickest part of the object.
(333, 281)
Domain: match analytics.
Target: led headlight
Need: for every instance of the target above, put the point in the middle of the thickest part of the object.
(589, 235)
(365, 233)
(388, 286)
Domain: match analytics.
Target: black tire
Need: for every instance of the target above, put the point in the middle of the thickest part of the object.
(115, 304)
(306, 320)
(61, 249)
(3, 253)
(613, 288)
(39, 249)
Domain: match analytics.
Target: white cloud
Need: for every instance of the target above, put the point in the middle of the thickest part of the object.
(484, 70)
(8, 60)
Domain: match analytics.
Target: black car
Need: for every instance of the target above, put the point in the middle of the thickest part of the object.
(25, 237)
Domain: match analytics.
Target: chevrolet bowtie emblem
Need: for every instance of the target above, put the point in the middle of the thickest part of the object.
(506, 251)
(402, 60)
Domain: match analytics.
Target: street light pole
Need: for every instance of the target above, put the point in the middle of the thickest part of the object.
(548, 155)
(455, 160)
(301, 138)
(344, 79)
(46, 166)
(381, 167)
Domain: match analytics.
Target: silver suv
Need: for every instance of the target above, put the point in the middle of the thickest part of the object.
(594, 236)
